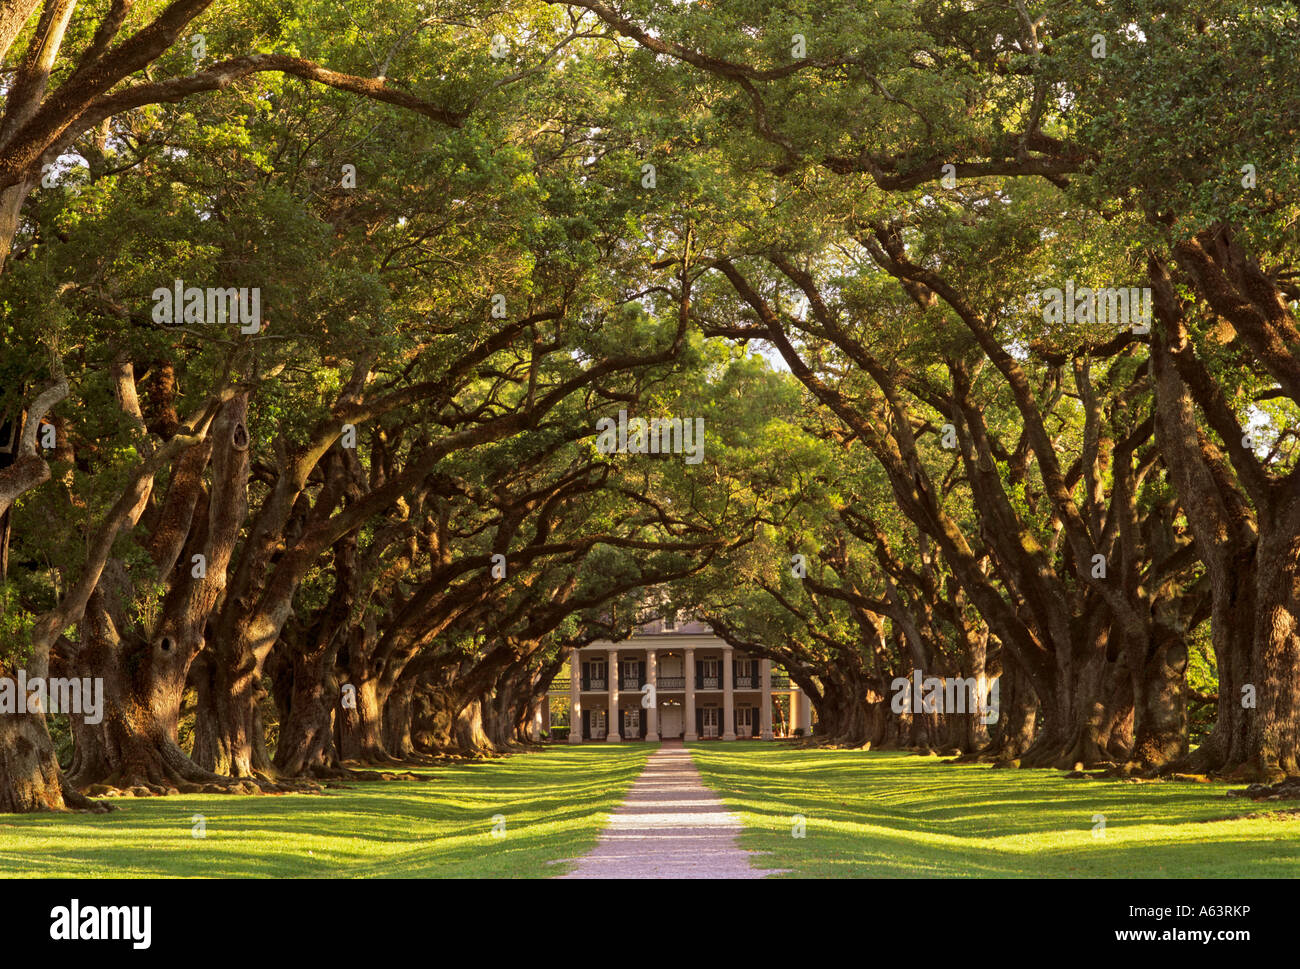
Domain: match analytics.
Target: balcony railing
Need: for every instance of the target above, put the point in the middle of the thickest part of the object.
(779, 682)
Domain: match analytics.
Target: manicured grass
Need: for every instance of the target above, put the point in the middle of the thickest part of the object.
(881, 814)
(555, 804)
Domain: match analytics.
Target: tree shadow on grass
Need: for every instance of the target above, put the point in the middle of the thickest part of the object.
(881, 814)
(553, 807)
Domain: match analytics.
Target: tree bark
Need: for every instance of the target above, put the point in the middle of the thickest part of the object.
(145, 676)
(469, 734)
(361, 730)
(29, 770)
(1274, 738)
(306, 742)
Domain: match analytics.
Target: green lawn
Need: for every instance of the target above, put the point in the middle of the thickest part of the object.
(866, 815)
(880, 814)
(554, 804)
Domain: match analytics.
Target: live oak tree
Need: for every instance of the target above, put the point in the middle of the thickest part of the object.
(86, 106)
(925, 99)
(475, 232)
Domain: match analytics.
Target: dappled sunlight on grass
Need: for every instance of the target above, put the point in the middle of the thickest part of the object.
(881, 814)
(554, 804)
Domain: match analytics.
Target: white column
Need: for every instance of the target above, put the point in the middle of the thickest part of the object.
(614, 720)
(575, 698)
(728, 698)
(688, 667)
(804, 719)
(765, 699)
(652, 681)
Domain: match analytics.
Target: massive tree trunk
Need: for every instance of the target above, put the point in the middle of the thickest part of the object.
(975, 736)
(398, 713)
(1159, 691)
(1013, 730)
(360, 730)
(433, 720)
(842, 709)
(134, 744)
(310, 694)
(176, 636)
(1226, 537)
(529, 731)
(512, 705)
(1073, 717)
(144, 676)
(470, 736)
(228, 735)
(29, 771)
(1274, 738)
(359, 725)
(306, 743)
(1234, 286)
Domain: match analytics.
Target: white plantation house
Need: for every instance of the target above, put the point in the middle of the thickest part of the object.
(677, 681)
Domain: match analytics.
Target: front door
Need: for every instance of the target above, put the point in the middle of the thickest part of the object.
(745, 721)
(711, 718)
(631, 723)
(670, 722)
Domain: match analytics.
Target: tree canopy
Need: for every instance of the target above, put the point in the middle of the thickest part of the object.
(312, 317)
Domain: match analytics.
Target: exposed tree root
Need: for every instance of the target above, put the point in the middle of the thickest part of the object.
(76, 801)
(1287, 789)
(125, 784)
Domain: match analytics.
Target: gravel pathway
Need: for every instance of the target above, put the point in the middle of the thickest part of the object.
(670, 826)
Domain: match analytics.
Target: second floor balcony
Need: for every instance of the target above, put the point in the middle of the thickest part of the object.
(599, 684)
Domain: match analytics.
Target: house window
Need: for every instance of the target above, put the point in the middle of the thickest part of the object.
(596, 675)
(710, 721)
(597, 724)
(670, 623)
(632, 723)
(746, 674)
(744, 721)
(709, 674)
(631, 674)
